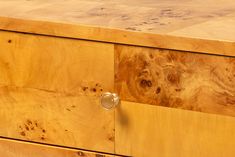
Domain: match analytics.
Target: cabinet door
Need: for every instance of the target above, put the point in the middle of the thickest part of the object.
(174, 103)
(50, 89)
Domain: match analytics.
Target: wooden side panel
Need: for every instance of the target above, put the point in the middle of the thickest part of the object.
(50, 89)
(12, 148)
(148, 131)
(190, 81)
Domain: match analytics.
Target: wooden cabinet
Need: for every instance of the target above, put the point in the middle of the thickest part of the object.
(51, 87)
(173, 67)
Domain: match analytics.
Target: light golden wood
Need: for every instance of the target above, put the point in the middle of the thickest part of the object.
(204, 83)
(50, 89)
(13, 148)
(149, 131)
(51, 80)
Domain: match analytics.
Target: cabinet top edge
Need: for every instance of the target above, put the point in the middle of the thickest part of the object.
(118, 36)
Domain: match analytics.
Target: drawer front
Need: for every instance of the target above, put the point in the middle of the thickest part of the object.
(198, 82)
(12, 148)
(50, 89)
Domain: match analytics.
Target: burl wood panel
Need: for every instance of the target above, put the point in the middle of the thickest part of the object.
(190, 81)
(12, 148)
(153, 131)
(50, 89)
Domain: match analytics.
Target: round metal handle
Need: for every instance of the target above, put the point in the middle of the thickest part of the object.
(109, 100)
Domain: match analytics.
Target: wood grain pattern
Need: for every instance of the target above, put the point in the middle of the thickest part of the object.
(148, 131)
(13, 148)
(176, 79)
(50, 89)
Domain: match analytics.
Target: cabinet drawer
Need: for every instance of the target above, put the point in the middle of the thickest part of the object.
(12, 148)
(50, 88)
